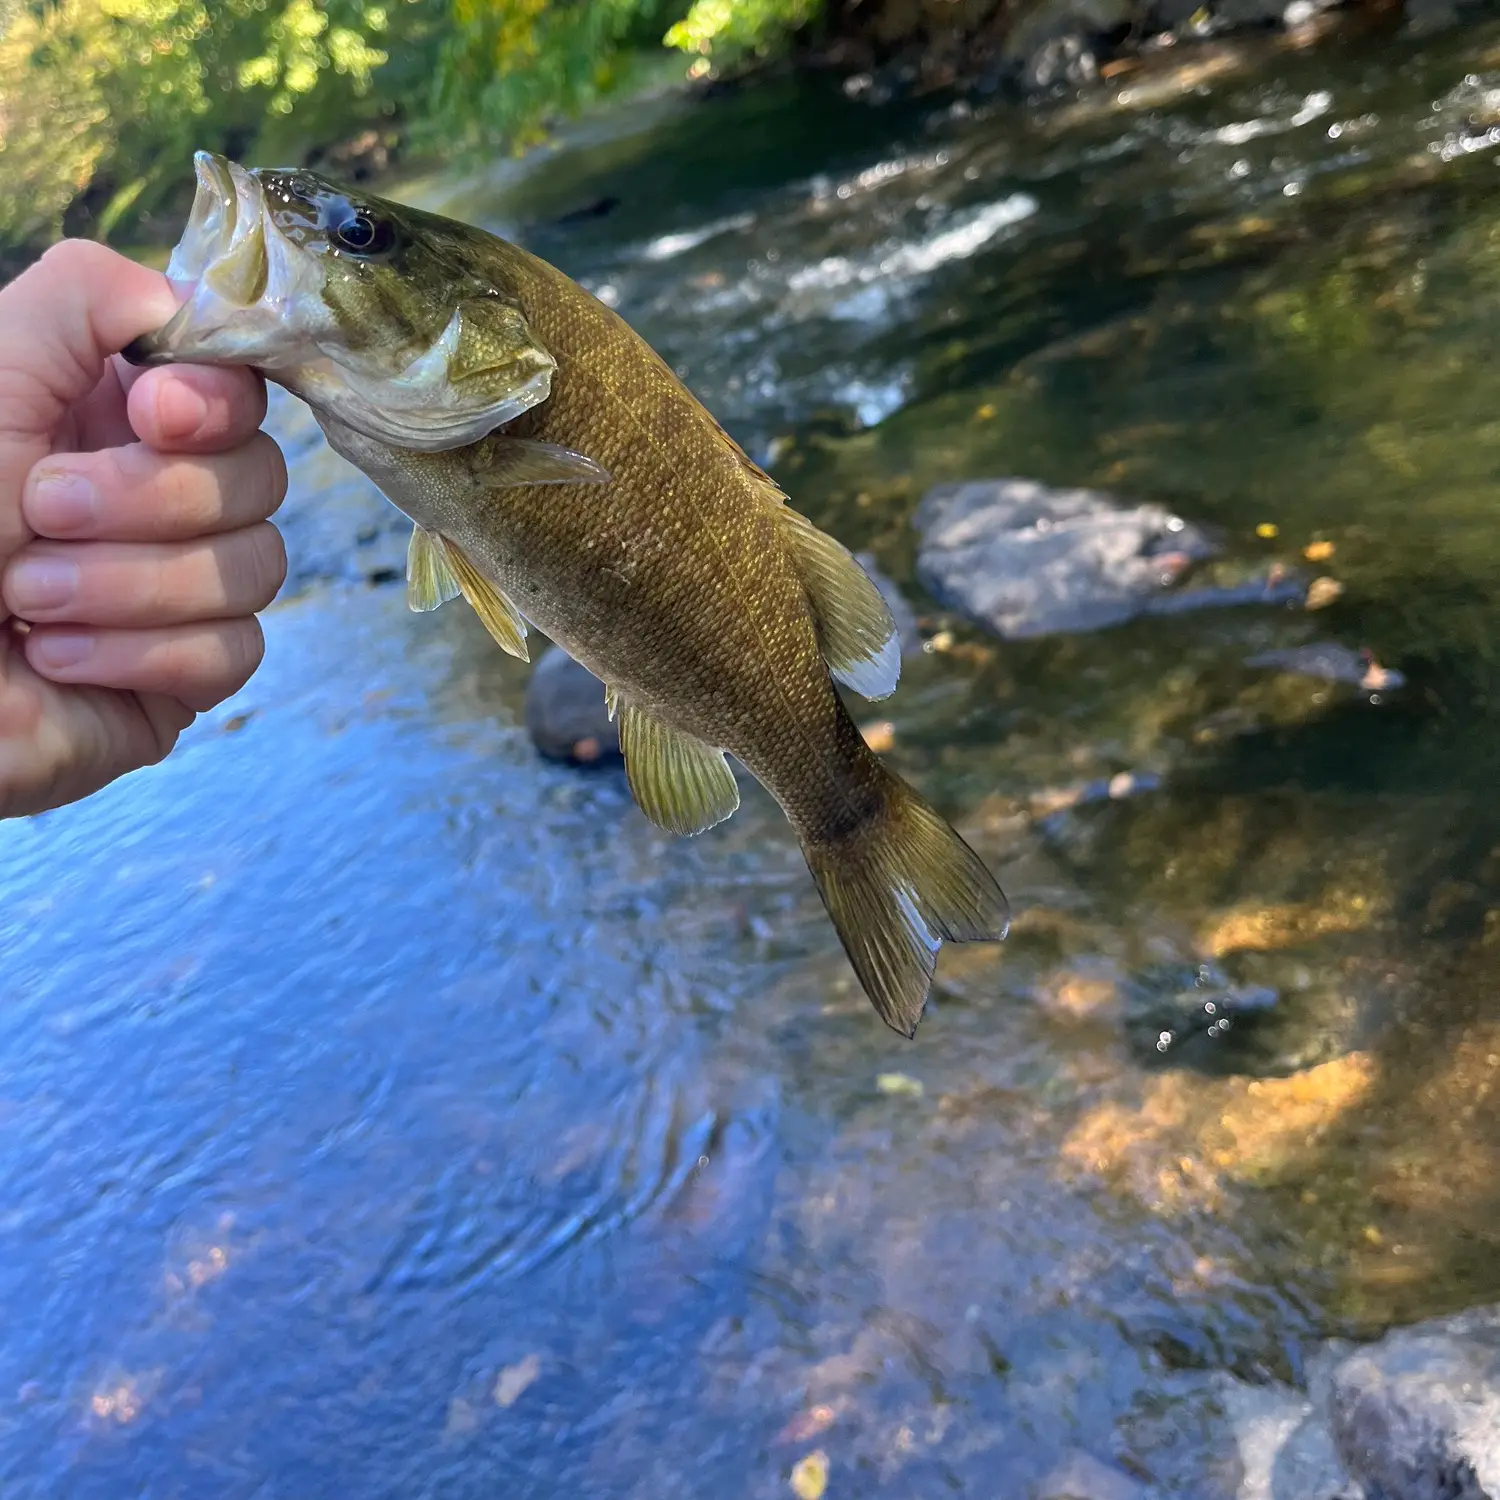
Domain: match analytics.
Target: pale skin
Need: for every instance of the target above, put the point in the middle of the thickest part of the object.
(135, 544)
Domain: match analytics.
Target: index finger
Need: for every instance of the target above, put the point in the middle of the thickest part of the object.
(195, 408)
(60, 320)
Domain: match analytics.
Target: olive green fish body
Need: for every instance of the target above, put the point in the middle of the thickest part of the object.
(558, 472)
(674, 584)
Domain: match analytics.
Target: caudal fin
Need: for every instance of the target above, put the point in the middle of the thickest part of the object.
(897, 890)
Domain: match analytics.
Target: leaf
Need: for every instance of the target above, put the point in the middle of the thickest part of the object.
(513, 1380)
(1321, 592)
(810, 1476)
(899, 1083)
(807, 1424)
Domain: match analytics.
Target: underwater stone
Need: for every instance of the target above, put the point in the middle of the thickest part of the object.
(566, 715)
(1081, 1476)
(1416, 1416)
(1028, 560)
(1330, 662)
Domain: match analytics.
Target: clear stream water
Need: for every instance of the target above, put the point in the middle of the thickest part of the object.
(385, 1112)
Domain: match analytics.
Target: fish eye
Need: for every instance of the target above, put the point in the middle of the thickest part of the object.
(362, 234)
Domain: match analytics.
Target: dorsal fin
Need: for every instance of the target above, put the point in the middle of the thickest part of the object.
(773, 492)
(856, 633)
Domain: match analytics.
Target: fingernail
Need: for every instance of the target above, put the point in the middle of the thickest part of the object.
(61, 500)
(180, 410)
(55, 653)
(42, 583)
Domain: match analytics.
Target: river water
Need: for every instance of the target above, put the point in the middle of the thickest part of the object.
(386, 1112)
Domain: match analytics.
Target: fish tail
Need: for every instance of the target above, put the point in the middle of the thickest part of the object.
(897, 888)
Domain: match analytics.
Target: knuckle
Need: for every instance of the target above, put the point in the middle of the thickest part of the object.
(274, 472)
(242, 648)
(72, 257)
(154, 594)
(184, 494)
(261, 565)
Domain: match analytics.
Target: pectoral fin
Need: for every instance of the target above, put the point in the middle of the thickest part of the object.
(856, 633)
(680, 783)
(429, 579)
(500, 616)
(506, 461)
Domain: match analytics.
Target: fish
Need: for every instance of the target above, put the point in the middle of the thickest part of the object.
(559, 475)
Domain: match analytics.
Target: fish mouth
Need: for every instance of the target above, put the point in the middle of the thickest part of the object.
(253, 293)
(221, 266)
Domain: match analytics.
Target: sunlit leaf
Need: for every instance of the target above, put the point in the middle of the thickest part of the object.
(810, 1476)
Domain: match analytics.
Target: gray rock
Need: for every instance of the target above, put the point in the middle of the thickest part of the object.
(1081, 1476)
(566, 714)
(1026, 560)
(1286, 1451)
(1064, 61)
(901, 612)
(1417, 1415)
(1330, 662)
(1055, 41)
(1176, 1013)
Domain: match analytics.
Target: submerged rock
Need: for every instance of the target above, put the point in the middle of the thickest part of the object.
(1081, 1476)
(1417, 1415)
(1055, 42)
(1286, 1451)
(1331, 662)
(1175, 1012)
(1414, 1416)
(566, 715)
(1027, 560)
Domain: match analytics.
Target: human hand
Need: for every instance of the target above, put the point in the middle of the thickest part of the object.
(135, 548)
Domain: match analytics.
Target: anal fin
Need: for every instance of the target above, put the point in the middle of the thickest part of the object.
(682, 784)
(429, 579)
(500, 616)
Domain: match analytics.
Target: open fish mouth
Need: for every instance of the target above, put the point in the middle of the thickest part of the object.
(225, 234)
(255, 293)
(228, 262)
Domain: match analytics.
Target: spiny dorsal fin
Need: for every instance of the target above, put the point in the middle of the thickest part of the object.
(855, 630)
(429, 579)
(680, 783)
(771, 491)
(500, 616)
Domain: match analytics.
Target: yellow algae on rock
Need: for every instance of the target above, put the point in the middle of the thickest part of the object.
(1079, 996)
(1261, 928)
(1189, 1137)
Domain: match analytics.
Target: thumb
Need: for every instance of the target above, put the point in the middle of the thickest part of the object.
(60, 321)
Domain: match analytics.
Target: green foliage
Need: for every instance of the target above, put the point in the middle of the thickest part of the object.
(114, 95)
(731, 29)
(506, 65)
(104, 101)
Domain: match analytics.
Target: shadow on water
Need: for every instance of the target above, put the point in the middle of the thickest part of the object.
(387, 1112)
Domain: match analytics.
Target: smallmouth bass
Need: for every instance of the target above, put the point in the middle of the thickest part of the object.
(557, 471)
